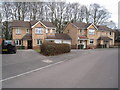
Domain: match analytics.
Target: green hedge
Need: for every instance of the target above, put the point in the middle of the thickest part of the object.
(20, 47)
(50, 49)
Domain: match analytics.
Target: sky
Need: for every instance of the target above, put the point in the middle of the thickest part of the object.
(110, 5)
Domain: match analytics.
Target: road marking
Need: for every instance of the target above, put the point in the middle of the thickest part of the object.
(31, 71)
(47, 61)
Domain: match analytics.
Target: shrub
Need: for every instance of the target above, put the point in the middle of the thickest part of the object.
(50, 48)
(20, 47)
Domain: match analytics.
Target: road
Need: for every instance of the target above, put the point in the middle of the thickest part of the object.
(96, 69)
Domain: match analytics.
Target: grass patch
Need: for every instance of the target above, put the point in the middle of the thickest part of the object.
(38, 50)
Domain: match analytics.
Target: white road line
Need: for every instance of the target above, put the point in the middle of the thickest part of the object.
(30, 71)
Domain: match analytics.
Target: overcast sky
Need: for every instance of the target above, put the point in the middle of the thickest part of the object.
(110, 5)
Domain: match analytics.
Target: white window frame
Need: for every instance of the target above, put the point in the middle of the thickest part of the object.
(18, 42)
(18, 31)
(27, 31)
(39, 30)
(91, 32)
(39, 42)
(47, 31)
(51, 31)
(92, 41)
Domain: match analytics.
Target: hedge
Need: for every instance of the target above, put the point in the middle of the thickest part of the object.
(20, 47)
(50, 49)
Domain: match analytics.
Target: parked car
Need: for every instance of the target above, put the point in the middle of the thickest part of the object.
(8, 46)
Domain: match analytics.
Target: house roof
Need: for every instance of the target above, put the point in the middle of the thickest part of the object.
(104, 38)
(104, 28)
(59, 36)
(27, 37)
(19, 23)
(81, 25)
(29, 24)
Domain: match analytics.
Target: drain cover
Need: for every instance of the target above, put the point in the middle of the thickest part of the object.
(47, 61)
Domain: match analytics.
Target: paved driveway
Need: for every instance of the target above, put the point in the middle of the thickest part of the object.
(84, 69)
(27, 60)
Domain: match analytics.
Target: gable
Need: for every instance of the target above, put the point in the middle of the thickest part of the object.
(38, 24)
(92, 26)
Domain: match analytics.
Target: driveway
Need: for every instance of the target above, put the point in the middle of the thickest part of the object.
(93, 69)
(27, 60)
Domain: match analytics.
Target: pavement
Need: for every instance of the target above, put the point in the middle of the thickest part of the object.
(80, 69)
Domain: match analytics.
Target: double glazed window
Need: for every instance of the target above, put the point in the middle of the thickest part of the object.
(39, 42)
(18, 31)
(18, 42)
(91, 41)
(91, 31)
(39, 30)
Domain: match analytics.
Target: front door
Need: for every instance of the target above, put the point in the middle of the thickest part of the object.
(29, 44)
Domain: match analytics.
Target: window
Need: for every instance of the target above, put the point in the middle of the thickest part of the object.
(54, 30)
(18, 31)
(68, 31)
(51, 31)
(91, 31)
(110, 33)
(46, 30)
(39, 41)
(27, 31)
(80, 41)
(39, 30)
(18, 42)
(106, 33)
(91, 41)
(80, 31)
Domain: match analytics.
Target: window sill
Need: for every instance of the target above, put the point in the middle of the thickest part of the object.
(18, 34)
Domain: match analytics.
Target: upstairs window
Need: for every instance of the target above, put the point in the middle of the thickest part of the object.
(39, 30)
(18, 31)
(46, 30)
(91, 31)
(51, 30)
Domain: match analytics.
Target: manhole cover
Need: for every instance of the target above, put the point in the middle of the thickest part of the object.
(47, 61)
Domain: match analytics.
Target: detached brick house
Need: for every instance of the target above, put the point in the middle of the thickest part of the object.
(31, 34)
(89, 35)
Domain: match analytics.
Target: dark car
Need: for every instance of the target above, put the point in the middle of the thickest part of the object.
(8, 46)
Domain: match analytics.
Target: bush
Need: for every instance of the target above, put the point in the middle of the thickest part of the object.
(20, 47)
(50, 48)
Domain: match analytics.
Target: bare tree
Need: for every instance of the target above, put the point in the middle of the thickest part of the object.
(99, 14)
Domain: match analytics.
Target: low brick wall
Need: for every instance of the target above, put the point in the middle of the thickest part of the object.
(74, 47)
(91, 46)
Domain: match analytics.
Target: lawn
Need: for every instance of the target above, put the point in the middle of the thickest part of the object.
(37, 50)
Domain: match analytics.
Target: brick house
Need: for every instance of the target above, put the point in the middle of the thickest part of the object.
(89, 35)
(31, 34)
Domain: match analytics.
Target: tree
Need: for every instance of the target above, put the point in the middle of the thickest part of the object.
(98, 14)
